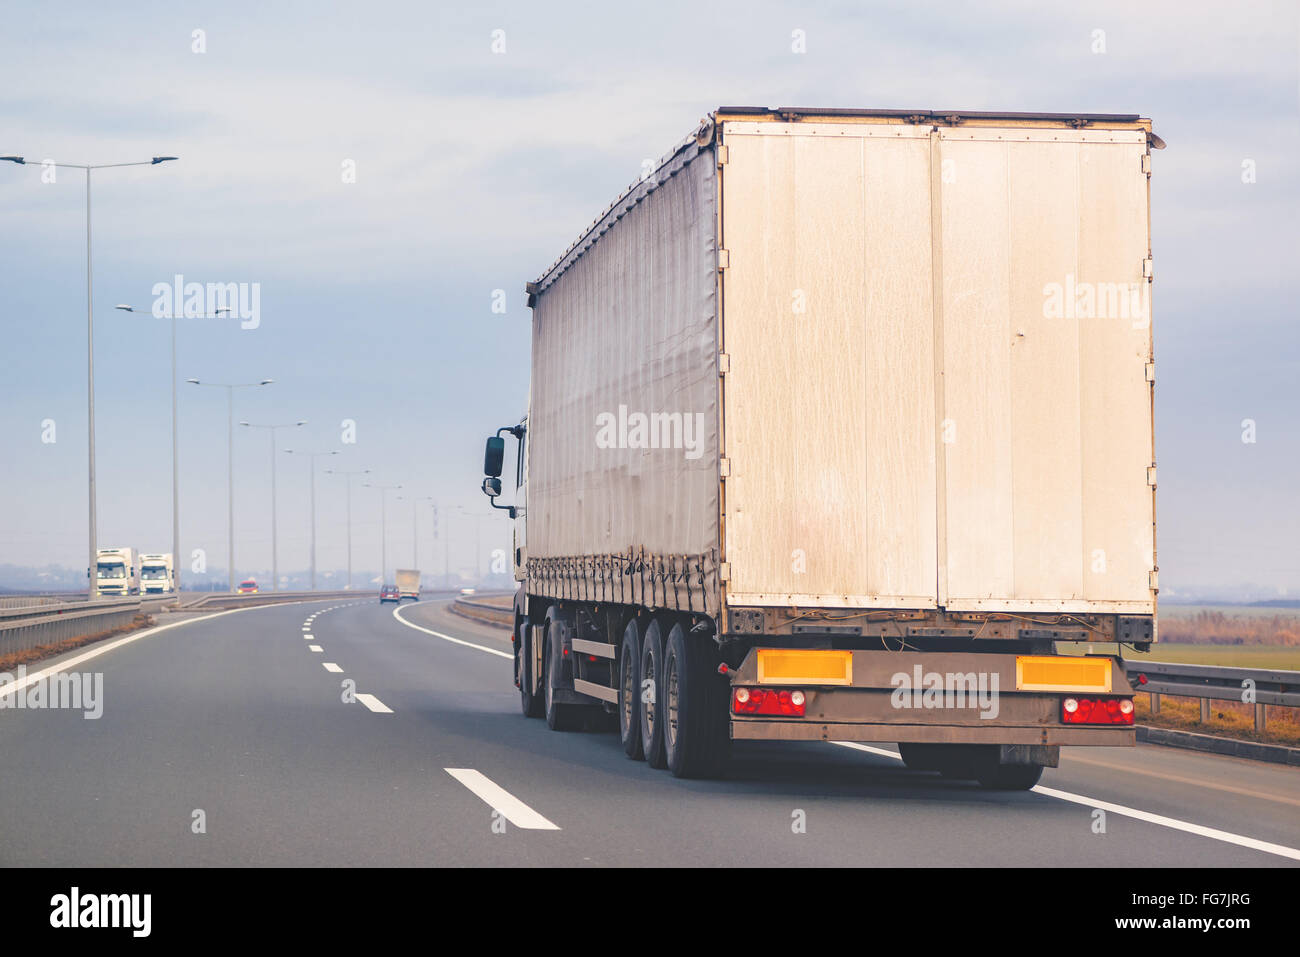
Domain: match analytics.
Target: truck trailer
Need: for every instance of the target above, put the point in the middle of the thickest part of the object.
(840, 429)
(408, 584)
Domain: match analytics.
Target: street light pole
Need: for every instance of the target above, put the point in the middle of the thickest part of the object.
(93, 564)
(275, 551)
(230, 388)
(349, 483)
(311, 466)
(176, 475)
(478, 542)
(90, 409)
(433, 555)
(383, 528)
(415, 527)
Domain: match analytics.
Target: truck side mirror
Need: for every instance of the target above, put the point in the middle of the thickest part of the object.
(491, 487)
(493, 457)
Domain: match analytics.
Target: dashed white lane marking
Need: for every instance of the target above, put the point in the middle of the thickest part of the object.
(500, 800)
(374, 704)
(1137, 814)
(331, 666)
(437, 634)
(315, 648)
(309, 636)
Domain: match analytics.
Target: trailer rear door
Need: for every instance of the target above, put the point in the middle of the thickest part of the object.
(939, 383)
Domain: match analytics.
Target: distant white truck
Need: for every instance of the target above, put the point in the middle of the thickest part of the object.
(157, 574)
(116, 572)
(408, 584)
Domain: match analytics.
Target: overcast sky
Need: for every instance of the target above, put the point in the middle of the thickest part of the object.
(475, 169)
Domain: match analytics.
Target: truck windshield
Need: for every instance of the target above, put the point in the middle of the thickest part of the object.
(112, 571)
(153, 571)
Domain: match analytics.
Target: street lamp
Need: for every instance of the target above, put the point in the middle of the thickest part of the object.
(383, 528)
(415, 501)
(230, 388)
(176, 481)
(90, 352)
(446, 548)
(349, 477)
(478, 541)
(311, 465)
(275, 563)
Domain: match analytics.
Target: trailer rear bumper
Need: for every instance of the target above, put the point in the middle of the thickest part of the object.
(757, 729)
(807, 694)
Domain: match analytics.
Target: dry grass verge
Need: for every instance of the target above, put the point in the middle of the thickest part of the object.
(1228, 719)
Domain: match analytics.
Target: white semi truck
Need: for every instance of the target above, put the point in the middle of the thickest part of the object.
(157, 574)
(117, 572)
(840, 429)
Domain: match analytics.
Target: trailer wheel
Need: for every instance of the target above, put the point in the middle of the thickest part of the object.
(652, 725)
(921, 757)
(530, 704)
(629, 692)
(559, 717)
(1009, 777)
(694, 707)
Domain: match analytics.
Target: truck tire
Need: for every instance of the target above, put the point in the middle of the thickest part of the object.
(629, 691)
(921, 757)
(652, 725)
(559, 717)
(532, 705)
(694, 707)
(1009, 777)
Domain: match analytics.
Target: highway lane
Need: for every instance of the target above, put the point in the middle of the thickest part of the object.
(235, 715)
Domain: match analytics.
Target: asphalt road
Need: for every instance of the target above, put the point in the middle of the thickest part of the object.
(238, 717)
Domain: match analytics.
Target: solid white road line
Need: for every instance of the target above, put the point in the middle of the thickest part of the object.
(32, 677)
(374, 704)
(331, 666)
(1213, 833)
(437, 634)
(502, 801)
(315, 648)
(862, 747)
(1201, 830)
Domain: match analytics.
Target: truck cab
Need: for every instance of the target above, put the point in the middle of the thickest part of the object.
(157, 574)
(116, 572)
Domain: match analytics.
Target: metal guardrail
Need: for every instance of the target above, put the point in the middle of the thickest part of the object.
(31, 601)
(63, 608)
(49, 625)
(485, 611)
(1258, 686)
(227, 600)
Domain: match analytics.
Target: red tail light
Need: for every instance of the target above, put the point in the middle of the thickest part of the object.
(1097, 710)
(768, 701)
